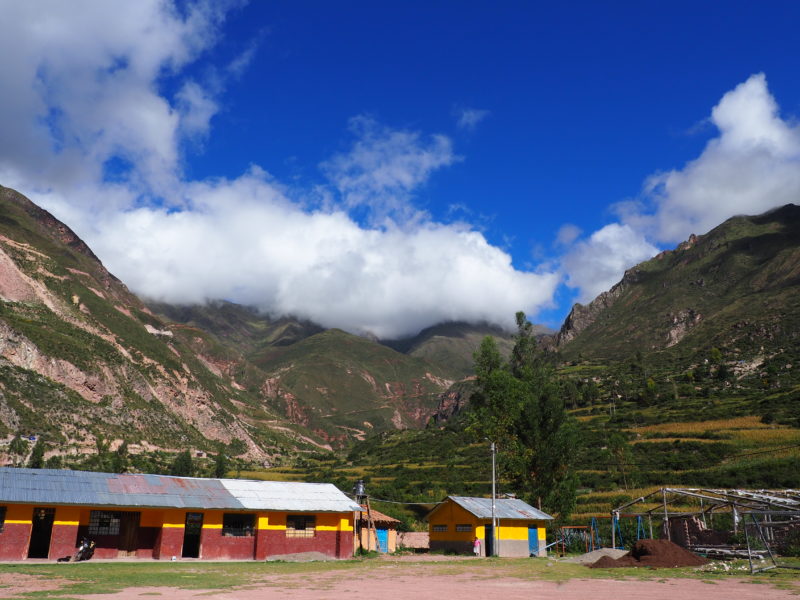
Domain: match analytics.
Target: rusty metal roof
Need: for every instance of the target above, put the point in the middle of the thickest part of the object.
(84, 488)
(504, 508)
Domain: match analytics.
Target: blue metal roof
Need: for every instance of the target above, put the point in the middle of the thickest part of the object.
(85, 488)
(504, 508)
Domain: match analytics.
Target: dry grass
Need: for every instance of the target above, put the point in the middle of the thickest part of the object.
(678, 429)
(674, 439)
(773, 435)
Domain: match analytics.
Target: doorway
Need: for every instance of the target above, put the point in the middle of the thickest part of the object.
(128, 533)
(191, 535)
(489, 540)
(533, 540)
(383, 539)
(41, 531)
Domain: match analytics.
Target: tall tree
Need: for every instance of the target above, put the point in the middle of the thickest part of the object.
(220, 465)
(520, 406)
(36, 461)
(182, 465)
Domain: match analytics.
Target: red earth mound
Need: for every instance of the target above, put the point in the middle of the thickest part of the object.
(652, 553)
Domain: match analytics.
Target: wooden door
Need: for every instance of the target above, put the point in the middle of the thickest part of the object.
(128, 533)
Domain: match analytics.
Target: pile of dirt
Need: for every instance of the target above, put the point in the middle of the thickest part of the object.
(652, 553)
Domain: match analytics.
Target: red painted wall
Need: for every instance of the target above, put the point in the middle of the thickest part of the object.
(337, 544)
(63, 541)
(169, 543)
(215, 545)
(14, 541)
(146, 542)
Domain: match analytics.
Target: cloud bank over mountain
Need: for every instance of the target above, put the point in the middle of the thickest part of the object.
(749, 167)
(102, 108)
(88, 132)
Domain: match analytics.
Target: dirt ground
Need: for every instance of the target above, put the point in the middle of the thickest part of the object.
(406, 581)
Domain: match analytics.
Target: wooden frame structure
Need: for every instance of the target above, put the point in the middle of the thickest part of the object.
(765, 513)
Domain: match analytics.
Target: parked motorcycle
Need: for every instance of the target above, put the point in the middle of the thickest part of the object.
(85, 550)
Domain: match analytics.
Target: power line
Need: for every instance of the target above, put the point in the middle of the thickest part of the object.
(655, 464)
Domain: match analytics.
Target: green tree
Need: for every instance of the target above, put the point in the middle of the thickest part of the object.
(519, 405)
(36, 461)
(621, 456)
(220, 465)
(182, 465)
(119, 459)
(18, 446)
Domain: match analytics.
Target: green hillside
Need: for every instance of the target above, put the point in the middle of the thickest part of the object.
(451, 345)
(343, 386)
(734, 288)
(83, 361)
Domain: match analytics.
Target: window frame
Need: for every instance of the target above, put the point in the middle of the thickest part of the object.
(308, 529)
(463, 528)
(439, 528)
(104, 522)
(237, 525)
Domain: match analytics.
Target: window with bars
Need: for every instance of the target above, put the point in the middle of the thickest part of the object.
(464, 528)
(104, 522)
(440, 528)
(238, 525)
(301, 526)
(2, 517)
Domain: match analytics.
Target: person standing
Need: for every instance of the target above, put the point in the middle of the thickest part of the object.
(476, 546)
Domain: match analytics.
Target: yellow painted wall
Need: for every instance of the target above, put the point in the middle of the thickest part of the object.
(20, 514)
(67, 515)
(176, 518)
(451, 514)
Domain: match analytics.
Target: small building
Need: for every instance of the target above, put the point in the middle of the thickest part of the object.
(416, 541)
(44, 513)
(381, 535)
(456, 522)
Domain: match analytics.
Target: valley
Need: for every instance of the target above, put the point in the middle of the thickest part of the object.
(687, 372)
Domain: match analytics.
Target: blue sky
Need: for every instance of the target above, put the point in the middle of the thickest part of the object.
(383, 167)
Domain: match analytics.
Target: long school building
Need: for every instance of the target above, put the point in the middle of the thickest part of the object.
(455, 523)
(44, 513)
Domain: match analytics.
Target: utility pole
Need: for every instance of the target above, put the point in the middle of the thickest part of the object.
(359, 492)
(494, 496)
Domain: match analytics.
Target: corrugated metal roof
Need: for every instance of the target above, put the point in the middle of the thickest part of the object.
(283, 495)
(504, 508)
(84, 488)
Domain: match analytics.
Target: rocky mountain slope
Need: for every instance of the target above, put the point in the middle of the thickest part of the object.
(736, 288)
(336, 385)
(84, 361)
(82, 358)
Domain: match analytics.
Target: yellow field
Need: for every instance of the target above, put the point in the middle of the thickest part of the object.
(750, 422)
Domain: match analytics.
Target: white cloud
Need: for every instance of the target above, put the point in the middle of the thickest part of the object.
(80, 87)
(88, 133)
(468, 118)
(245, 240)
(567, 234)
(751, 166)
(596, 264)
(384, 167)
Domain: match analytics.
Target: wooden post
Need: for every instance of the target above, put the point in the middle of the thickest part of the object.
(650, 522)
(613, 532)
(371, 525)
(666, 514)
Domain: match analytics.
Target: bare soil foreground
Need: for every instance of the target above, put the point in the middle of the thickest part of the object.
(407, 578)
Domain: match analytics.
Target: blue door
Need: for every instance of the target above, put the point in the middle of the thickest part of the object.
(383, 540)
(533, 540)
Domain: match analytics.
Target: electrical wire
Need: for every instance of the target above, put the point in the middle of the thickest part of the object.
(655, 464)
